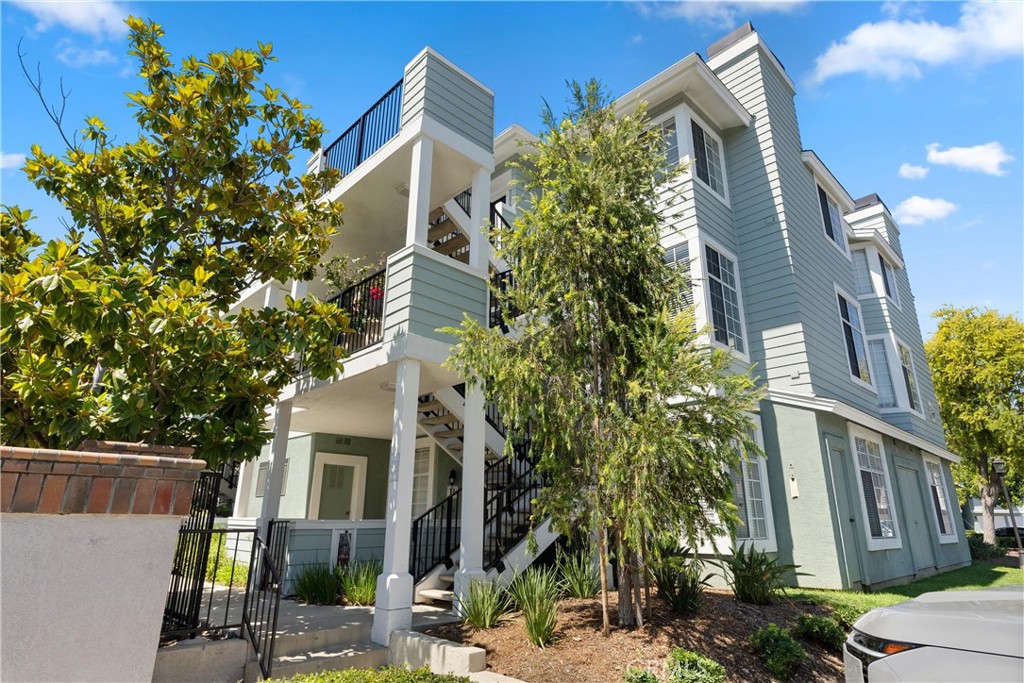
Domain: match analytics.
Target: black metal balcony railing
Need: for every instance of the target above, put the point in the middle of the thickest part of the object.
(364, 303)
(501, 282)
(380, 123)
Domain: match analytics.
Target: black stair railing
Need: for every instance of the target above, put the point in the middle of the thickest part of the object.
(262, 603)
(497, 317)
(436, 534)
(512, 486)
(380, 123)
(364, 302)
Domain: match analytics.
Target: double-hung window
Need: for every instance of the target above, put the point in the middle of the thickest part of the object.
(862, 272)
(909, 376)
(677, 257)
(876, 494)
(883, 377)
(832, 219)
(707, 162)
(671, 141)
(421, 481)
(889, 280)
(261, 478)
(723, 290)
(943, 516)
(748, 494)
(853, 333)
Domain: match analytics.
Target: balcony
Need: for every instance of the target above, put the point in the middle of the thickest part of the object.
(364, 302)
(370, 132)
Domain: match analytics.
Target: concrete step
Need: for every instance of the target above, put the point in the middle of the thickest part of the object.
(447, 578)
(438, 594)
(316, 639)
(363, 655)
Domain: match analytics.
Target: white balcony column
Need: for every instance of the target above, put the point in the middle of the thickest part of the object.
(299, 289)
(472, 548)
(242, 489)
(394, 585)
(275, 469)
(419, 191)
(479, 245)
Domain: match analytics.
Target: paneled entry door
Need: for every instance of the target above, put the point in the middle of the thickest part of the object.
(339, 485)
(918, 526)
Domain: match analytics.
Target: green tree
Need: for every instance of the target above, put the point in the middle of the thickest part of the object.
(121, 330)
(633, 424)
(977, 363)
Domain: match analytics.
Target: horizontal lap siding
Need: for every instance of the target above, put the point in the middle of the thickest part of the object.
(767, 279)
(305, 547)
(369, 545)
(425, 295)
(435, 89)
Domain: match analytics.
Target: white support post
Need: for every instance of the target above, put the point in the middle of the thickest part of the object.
(299, 289)
(472, 549)
(275, 469)
(479, 245)
(394, 586)
(419, 191)
(242, 489)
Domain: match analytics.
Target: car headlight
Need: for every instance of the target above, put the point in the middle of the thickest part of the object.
(879, 647)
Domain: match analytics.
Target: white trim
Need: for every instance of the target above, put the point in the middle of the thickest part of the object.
(691, 158)
(506, 143)
(444, 60)
(856, 431)
(848, 412)
(828, 181)
(428, 443)
(702, 310)
(769, 543)
(875, 238)
(892, 368)
(751, 40)
(951, 506)
(852, 300)
(884, 292)
(358, 463)
(843, 226)
(905, 393)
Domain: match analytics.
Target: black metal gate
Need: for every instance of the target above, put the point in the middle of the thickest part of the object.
(188, 574)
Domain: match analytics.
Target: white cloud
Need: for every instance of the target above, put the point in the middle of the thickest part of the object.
(81, 57)
(912, 172)
(11, 160)
(895, 49)
(722, 15)
(917, 210)
(99, 18)
(988, 158)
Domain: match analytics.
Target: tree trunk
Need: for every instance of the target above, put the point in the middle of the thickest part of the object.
(989, 498)
(602, 557)
(626, 618)
(645, 564)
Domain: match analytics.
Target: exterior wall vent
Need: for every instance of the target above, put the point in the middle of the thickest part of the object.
(343, 440)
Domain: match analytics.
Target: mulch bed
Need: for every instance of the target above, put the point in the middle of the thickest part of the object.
(579, 653)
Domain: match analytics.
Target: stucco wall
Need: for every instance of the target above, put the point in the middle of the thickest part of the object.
(83, 595)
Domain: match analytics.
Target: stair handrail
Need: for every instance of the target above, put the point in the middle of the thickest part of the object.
(445, 537)
(262, 604)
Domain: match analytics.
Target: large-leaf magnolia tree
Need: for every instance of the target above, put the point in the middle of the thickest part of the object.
(120, 330)
(977, 363)
(634, 424)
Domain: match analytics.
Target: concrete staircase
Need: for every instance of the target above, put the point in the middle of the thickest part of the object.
(344, 647)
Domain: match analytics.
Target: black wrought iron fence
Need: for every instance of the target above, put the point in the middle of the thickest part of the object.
(364, 302)
(262, 603)
(380, 123)
(435, 536)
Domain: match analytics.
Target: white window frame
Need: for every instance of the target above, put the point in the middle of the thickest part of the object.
(768, 544)
(431, 467)
(906, 401)
(702, 303)
(894, 298)
(262, 469)
(675, 244)
(853, 301)
(867, 264)
(951, 535)
(845, 249)
(358, 462)
(896, 542)
(691, 116)
(891, 367)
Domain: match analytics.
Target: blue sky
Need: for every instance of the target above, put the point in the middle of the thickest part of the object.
(922, 103)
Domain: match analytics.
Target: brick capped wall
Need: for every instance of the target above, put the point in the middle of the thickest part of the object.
(105, 478)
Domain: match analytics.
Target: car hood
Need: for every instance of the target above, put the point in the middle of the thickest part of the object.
(990, 621)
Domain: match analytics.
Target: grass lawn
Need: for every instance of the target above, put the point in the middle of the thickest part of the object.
(848, 606)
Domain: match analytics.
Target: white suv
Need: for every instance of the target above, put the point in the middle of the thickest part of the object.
(944, 636)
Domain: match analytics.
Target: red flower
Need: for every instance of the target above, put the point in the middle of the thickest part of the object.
(376, 293)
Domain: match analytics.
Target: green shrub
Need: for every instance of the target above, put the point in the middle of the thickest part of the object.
(387, 674)
(754, 577)
(219, 567)
(317, 584)
(824, 631)
(1006, 542)
(682, 587)
(536, 592)
(358, 581)
(637, 675)
(686, 666)
(846, 615)
(981, 550)
(580, 577)
(781, 654)
(487, 602)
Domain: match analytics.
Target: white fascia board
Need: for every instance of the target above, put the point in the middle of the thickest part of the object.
(692, 76)
(748, 42)
(450, 64)
(506, 143)
(816, 166)
(874, 237)
(871, 211)
(848, 412)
